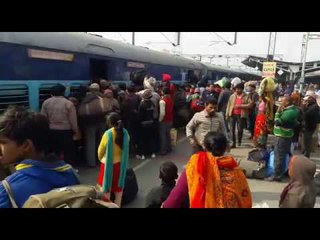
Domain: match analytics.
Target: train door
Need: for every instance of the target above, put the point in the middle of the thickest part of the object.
(98, 69)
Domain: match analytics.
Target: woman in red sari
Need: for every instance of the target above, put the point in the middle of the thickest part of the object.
(211, 180)
(260, 136)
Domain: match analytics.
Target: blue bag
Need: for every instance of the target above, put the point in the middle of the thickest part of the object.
(270, 164)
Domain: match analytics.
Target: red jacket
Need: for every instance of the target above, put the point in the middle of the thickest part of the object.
(169, 109)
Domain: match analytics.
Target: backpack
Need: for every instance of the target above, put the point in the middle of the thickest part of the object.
(148, 115)
(97, 106)
(197, 105)
(77, 196)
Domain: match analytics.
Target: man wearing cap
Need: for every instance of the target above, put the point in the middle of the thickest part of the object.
(166, 78)
(146, 143)
(104, 84)
(150, 83)
(166, 120)
(92, 114)
(311, 113)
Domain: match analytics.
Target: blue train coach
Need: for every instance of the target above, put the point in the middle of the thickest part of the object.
(31, 63)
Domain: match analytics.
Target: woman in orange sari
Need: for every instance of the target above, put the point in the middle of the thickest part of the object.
(211, 180)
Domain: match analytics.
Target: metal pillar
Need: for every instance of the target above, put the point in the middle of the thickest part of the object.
(178, 38)
(133, 38)
(272, 45)
(304, 50)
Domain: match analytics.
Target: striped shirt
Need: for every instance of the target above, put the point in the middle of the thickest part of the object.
(202, 123)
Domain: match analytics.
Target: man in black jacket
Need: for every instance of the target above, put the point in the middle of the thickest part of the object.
(311, 112)
(147, 133)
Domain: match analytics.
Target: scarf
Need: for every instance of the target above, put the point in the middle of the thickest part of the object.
(107, 180)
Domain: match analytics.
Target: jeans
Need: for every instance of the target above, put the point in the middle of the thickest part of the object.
(240, 122)
(307, 140)
(281, 149)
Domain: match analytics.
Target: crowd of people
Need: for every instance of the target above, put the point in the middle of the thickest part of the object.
(106, 125)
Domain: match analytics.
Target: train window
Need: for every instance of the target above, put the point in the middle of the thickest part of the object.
(44, 93)
(13, 94)
(78, 91)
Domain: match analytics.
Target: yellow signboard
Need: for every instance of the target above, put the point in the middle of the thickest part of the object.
(269, 69)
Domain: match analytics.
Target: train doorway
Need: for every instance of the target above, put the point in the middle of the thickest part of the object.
(98, 69)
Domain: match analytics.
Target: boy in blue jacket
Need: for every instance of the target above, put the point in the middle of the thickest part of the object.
(24, 137)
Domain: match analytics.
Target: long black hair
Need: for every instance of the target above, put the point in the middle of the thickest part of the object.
(114, 120)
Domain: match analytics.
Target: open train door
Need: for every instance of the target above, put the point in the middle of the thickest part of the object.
(98, 69)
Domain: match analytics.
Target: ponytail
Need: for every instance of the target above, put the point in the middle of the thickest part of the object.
(115, 121)
(119, 135)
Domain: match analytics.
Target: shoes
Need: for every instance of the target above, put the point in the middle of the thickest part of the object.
(273, 178)
(278, 179)
(269, 179)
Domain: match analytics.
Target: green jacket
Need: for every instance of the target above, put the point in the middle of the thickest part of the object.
(285, 122)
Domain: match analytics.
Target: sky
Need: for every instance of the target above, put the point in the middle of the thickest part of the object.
(288, 44)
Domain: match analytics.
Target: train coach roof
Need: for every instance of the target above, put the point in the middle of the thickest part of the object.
(228, 70)
(90, 44)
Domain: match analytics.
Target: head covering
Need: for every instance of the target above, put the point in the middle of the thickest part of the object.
(149, 83)
(147, 94)
(94, 87)
(108, 93)
(302, 171)
(235, 81)
(166, 77)
(104, 84)
(310, 93)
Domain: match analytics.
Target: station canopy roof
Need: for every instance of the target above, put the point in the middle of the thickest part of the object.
(296, 67)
